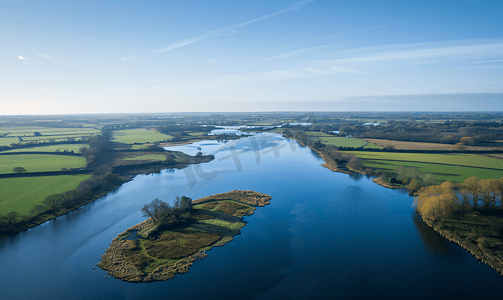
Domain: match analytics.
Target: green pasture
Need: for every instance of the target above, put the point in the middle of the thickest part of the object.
(131, 136)
(53, 148)
(148, 156)
(46, 131)
(139, 147)
(442, 172)
(197, 133)
(23, 194)
(471, 160)
(6, 141)
(39, 162)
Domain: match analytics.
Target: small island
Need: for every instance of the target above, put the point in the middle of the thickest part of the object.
(173, 238)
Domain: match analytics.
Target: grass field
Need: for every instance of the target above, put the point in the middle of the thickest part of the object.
(27, 133)
(145, 157)
(461, 166)
(338, 141)
(39, 162)
(6, 141)
(131, 136)
(471, 160)
(22, 194)
(68, 147)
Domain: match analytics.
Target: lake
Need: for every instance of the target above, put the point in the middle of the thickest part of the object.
(325, 235)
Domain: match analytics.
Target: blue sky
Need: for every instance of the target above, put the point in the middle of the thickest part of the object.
(60, 57)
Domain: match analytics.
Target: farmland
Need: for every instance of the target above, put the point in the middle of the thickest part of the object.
(39, 162)
(147, 157)
(451, 167)
(131, 136)
(53, 148)
(22, 194)
(26, 134)
(470, 160)
(341, 141)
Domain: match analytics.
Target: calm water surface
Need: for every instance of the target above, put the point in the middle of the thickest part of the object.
(325, 235)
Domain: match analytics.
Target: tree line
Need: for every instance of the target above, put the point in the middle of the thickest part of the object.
(439, 202)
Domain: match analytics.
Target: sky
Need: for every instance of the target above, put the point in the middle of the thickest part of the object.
(70, 57)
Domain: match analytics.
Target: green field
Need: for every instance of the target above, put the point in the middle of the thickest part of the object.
(22, 194)
(131, 136)
(442, 172)
(471, 160)
(149, 156)
(68, 147)
(27, 134)
(39, 162)
(458, 168)
(339, 141)
(6, 141)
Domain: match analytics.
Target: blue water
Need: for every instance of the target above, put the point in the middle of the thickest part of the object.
(325, 235)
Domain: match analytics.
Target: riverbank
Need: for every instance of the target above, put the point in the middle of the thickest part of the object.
(122, 172)
(479, 235)
(151, 252)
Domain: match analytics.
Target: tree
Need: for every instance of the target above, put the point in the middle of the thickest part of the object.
(436, 203)
(37, 210)
(19, 170)
(12, 217)
(186, 203)
(157, 210)
(53, 201)
(472, 185)
(489, 189)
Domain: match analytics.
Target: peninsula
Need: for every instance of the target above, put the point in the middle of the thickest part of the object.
(153, 250)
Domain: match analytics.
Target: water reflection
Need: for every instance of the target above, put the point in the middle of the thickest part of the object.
(432, 241)
(356, 176)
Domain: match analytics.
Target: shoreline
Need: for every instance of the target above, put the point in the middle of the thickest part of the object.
(493, 262)
(145, 252)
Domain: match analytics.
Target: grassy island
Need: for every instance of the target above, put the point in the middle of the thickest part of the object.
(153, 250)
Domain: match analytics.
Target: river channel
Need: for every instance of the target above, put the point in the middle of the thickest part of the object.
(325, 235)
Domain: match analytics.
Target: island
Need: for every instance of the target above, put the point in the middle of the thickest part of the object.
(156, 250)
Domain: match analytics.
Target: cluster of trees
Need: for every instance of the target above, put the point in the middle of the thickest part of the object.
(162, 213)
(439, 202)
(413, 178)
(447, 133)
(98, 144)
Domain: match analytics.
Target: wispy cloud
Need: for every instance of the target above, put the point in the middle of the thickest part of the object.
(21, 58)
(317, 71)
(129, 58)
(297, 52)
(424, 51)
(51, 58)
(339, 69)
(212, 61)
(231, 30)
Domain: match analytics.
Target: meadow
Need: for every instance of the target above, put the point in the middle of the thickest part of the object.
(53, 148)
(131, 136)
(39, 162)
(23, 194)
(47, 134)
(442, 172)
(470, 160)
(339, 141)
(147, 157)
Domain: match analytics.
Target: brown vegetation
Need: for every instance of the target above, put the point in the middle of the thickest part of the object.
(248, 197)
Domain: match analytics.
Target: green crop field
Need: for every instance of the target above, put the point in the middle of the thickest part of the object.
(68, 147)
(130, 136)
(6, 141)
(471, 160)
(442, 172)
(23, 194)
(149, 156)
(39, 162)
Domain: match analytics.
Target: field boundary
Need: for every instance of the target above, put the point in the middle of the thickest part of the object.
(41, 152)
(48, 173)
